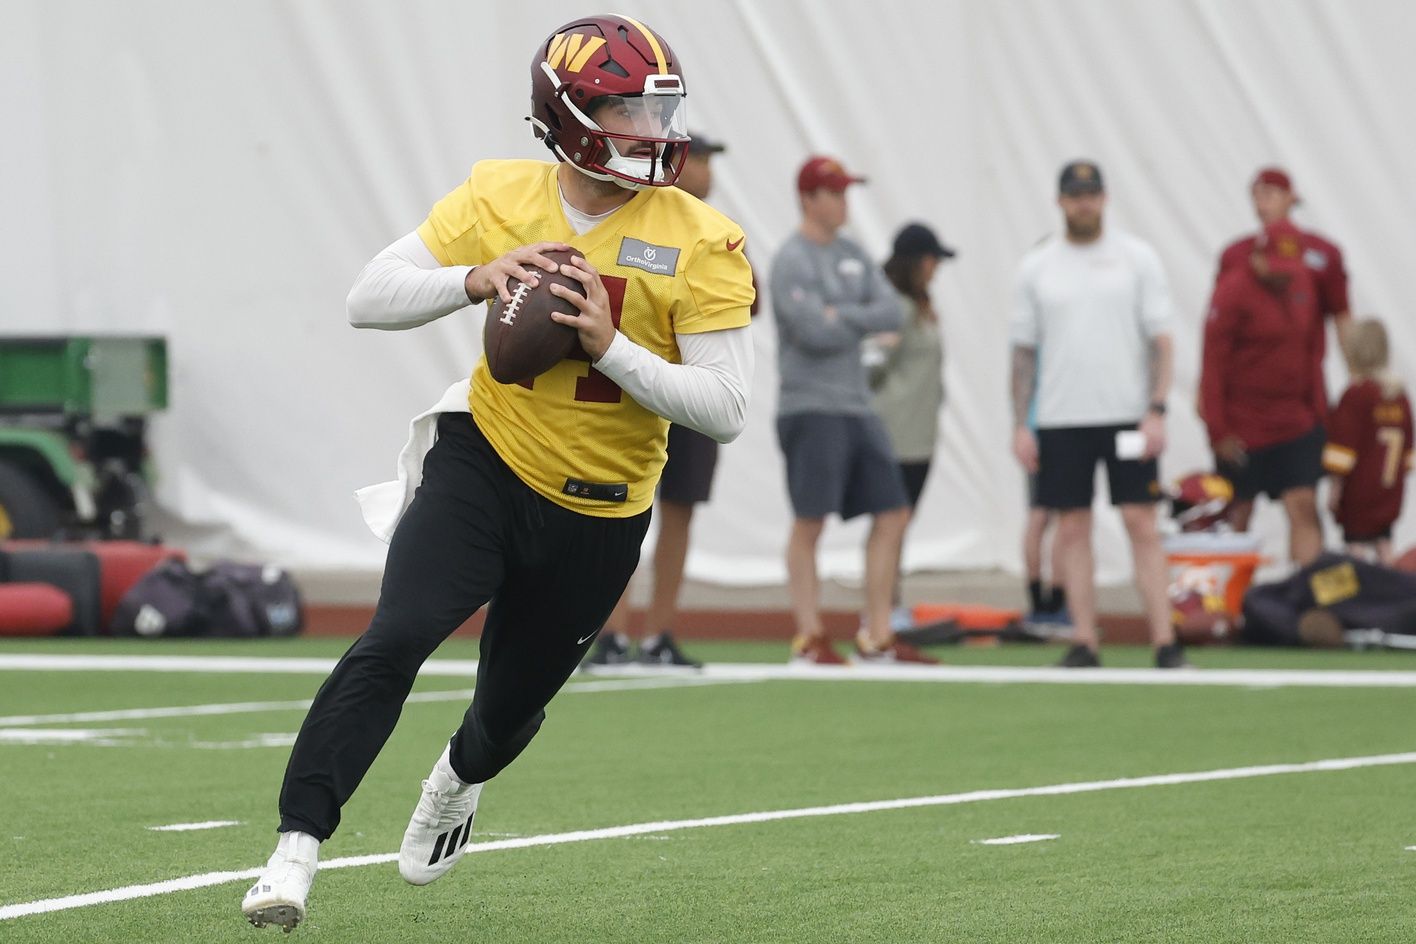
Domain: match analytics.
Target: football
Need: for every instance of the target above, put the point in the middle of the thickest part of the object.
(520, 339)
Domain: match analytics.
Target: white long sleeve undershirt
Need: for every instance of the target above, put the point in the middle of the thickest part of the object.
(405, 286)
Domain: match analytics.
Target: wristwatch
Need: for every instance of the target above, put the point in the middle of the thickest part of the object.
(1157, 407)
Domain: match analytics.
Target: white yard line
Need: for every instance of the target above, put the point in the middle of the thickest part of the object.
(250, 707)
(741, 672)
(107, 737)
(193, 827)
(208, 879)
(1016, 840)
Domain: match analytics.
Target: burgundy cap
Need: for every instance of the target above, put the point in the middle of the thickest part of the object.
(1274, 177)
(824, 172)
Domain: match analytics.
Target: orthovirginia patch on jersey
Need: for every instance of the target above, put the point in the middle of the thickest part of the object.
(658, 260)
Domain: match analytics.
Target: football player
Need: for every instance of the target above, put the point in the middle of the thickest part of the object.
(534, 497)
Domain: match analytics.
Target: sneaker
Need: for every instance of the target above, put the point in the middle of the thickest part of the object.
(660, 649)
(1171, 657)
(814, 650)
(441, 824)
(1048, 624)
(901, 619)
(1080, 657)
(610, 649)
(278, 897)
(896, 653)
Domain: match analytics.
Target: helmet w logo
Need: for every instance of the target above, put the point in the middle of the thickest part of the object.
(574, 49)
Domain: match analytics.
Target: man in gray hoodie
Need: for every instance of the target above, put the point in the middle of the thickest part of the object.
(827, 295)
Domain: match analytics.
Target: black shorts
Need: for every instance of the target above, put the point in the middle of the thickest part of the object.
(1363, 537)
(915, 474)
(1032, 490)
(688, 474)
(1066, 473)
(1273, 470)
(840, 464)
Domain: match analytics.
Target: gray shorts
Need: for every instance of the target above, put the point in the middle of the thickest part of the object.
(840, 464)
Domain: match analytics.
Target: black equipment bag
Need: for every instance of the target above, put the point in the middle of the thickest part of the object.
(226, 600)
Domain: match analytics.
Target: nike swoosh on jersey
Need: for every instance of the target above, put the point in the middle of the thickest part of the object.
(733, 245)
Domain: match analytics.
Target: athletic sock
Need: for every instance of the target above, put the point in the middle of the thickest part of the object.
(1058, 600)
(1035, 595)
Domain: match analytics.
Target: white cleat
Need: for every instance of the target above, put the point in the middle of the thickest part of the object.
(278, 897)
(441, 824)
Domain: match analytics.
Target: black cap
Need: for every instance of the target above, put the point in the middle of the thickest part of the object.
(916, 239)
(704, 146)
(1080, 177)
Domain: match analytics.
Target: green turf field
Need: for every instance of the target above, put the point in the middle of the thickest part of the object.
(1306, 856)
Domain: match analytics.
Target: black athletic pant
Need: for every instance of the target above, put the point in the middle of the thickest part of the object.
(473, 533)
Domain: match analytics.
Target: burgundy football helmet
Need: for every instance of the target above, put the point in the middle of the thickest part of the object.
(607, 98)
(1200, 501)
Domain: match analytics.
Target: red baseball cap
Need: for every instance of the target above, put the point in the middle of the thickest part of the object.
(824, 172)
(1274, 177)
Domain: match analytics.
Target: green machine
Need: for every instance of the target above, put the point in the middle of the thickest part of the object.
(73, 428)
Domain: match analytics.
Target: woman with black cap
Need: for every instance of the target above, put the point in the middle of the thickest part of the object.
(906, 367)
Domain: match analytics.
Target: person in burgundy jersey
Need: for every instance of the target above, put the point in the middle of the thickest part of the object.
(1261, 390)
(1368, 452)
(1274, 199)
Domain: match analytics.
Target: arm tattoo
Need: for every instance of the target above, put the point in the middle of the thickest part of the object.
(1024, 382)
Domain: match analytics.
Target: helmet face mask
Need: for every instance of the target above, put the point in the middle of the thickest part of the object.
(1201, 502)
(607, 99)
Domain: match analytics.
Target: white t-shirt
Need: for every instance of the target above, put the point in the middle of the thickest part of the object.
(1090, 310)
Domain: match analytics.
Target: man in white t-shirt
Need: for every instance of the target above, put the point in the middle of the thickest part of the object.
(1095, 303)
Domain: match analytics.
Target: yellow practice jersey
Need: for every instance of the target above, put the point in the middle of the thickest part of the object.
(671, 265)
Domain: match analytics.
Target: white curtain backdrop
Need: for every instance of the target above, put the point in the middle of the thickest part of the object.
(218, 172)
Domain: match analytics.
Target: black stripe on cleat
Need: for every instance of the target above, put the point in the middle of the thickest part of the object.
(438, 848)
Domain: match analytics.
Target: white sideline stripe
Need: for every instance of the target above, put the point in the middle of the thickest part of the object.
(742, 672)
(192, 827)
(248, 707)
(1017, 840)
(1051, 675)
(638, 829)
(104, 736)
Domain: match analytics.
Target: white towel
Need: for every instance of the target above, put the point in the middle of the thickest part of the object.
(384, 504)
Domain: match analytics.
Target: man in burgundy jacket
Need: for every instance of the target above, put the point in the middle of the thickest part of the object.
(1262, 392)
(1274, 199)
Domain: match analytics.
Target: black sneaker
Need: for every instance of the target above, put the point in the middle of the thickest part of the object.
(1080, 657)
(1171, 657)
(660, 649)
(610, 649)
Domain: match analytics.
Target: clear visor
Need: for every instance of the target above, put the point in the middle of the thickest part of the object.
(647, 119)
